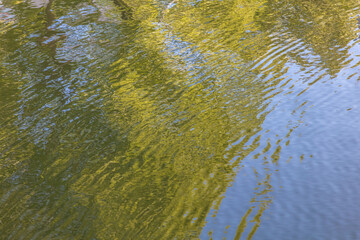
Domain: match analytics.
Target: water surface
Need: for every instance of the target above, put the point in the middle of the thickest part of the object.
(184, 119)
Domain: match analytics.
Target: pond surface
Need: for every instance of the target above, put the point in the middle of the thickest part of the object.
(179, 119)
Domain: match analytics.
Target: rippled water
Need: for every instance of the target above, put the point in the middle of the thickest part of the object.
(183, 119)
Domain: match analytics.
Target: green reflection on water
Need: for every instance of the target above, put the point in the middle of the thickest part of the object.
(129, 119)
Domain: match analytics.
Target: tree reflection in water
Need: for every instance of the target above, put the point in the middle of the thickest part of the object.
(130, 119)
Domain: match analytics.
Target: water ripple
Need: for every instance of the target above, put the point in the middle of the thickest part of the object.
(178, 119)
